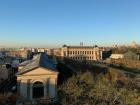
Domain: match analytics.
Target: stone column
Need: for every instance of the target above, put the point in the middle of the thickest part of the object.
(28, 88)
(56, 87)
(31, 91)
(18, 86)
(23, 88)
(52, 88)
(47, 87)
(101, 53)
(45, 90)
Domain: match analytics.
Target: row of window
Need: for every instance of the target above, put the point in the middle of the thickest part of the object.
(83, 58)
(81, 52)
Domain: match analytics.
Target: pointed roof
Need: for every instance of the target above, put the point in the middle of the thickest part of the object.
(40, 60)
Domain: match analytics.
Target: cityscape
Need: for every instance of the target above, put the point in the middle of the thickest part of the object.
(70, 52)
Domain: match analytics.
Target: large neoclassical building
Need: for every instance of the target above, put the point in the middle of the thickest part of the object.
(80, 53)
(37, 78)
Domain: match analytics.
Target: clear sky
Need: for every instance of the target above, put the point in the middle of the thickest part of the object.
(52, 23)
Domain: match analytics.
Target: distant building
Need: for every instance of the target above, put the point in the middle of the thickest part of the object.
(7, 71)
(33, 50)
(134, 44)
(131, 55)
(41, 50)
(54, 52)
(1, 55)
(115, 46)
(80, 53)
(117, 56)
(23, 54)
(38, 78)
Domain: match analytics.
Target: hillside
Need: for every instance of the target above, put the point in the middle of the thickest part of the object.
(96, 85)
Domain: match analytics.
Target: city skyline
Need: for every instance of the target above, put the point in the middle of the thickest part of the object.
(52, 23)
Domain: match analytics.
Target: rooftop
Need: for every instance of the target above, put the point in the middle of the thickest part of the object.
(40, 60)
(95, 46)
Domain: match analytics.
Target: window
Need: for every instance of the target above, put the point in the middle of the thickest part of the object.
(73, 52)
(90, 52)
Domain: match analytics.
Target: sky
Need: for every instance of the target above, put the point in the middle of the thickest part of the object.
(52, 23)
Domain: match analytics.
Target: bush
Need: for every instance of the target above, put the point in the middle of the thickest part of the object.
(83, 89)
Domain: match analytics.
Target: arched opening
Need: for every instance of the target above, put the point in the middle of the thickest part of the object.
(38, 90)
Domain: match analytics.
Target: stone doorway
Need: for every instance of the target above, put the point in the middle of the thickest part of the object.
(38, 90)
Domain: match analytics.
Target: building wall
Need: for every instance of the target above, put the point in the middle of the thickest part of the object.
(22, 54)
(117, 56)
(82, 53)
(48, 78)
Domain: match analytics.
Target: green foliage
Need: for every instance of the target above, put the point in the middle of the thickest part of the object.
(83, 89)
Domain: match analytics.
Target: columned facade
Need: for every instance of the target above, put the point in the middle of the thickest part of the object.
(80, 53)
(38, 81)
(30, 89)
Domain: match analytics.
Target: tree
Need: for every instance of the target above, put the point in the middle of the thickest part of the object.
(82, 89)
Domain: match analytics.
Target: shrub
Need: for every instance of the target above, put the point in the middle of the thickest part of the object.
(84, 90)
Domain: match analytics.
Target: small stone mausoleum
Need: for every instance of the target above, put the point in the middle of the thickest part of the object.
(37, 79)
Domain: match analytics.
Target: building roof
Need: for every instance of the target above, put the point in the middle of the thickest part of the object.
(81, 46)
(40, 60)
(25, 63)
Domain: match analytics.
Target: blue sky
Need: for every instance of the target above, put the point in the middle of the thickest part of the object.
(52, 23)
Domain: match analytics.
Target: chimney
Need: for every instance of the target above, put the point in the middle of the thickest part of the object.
(81, 43)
